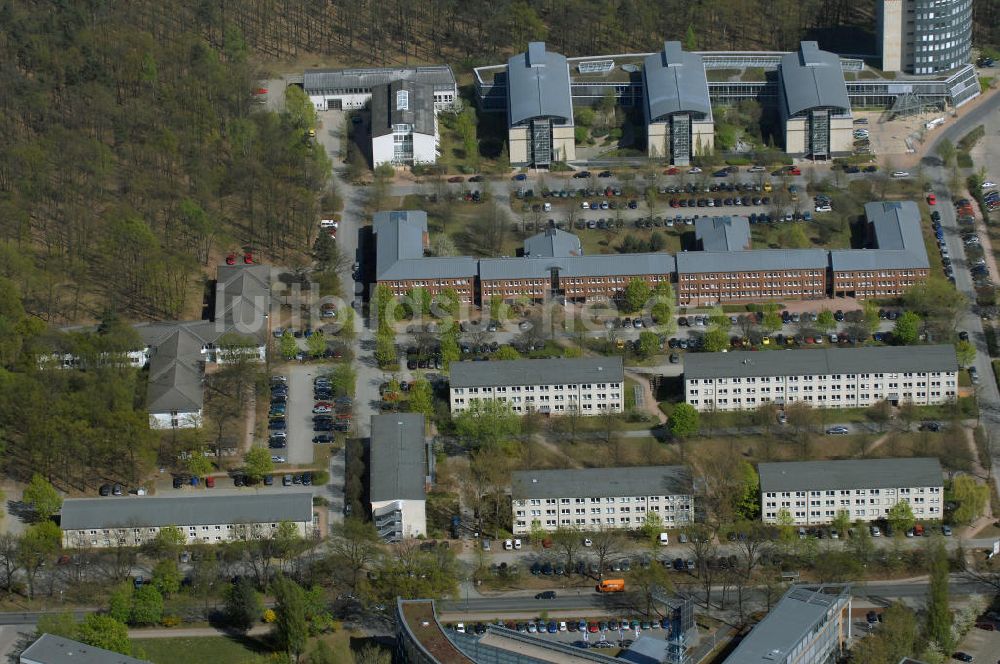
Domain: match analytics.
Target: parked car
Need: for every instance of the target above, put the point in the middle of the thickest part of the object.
(837, 431)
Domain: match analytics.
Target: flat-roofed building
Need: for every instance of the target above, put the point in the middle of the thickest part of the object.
(133, 521)
(815, 492)
(352, 89)
(809, 625)
(813, 102)
(404, 124)
(601, 498)
(398, 476)
(895, 261)
(822, 378)
(52, 649)
(400, 240)
(706, 278)
(539, 108)
(676, 106)
(585, 385)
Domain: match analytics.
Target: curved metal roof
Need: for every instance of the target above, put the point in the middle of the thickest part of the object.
(811, 78)
(538, 86)
(674, 82)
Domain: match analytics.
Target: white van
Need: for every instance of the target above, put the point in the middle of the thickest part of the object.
(664, 539)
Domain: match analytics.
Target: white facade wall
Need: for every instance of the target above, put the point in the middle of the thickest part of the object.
(382, 149)
(414, 515)
(809, 507)
(200, 534)
(178, 420)
(557, 398)
(425, 147)
(821, 391)
(624, 512)
(358, 99)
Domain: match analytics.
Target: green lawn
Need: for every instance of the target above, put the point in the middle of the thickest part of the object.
(209, 649)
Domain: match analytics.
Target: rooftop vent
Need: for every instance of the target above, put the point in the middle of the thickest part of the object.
(536, 54)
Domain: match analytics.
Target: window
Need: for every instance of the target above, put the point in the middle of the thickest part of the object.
(402, 100)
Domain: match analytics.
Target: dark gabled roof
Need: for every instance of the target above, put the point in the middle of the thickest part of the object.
(418, 110)
(675, 82)
(899, 242)
(850, 474)
(552, 243)
(398, 465)
(52, 649)
(538, 372)
(722, 233)
(98, 513)
(602, 482)
(598, 265)
(538, 86)
(821, 361)
(175, 373)
(243, 298)
(758, 260)
(811, 78)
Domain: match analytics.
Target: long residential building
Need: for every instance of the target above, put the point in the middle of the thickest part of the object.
(133, 521)
(809, 625)
(822, 378)
(601, 498)
(399, 475)
(723, 269)
(815, 492)
(586, 385)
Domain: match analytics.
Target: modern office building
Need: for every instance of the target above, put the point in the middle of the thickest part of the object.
(400, 242)
(895, 261)
(404, 124)
(822, 378)
(924, 36)
(708, 278)
(601, 498)
(809, 625)
(539, 108)
(676, 106)
(814, 492)
(352, 89)
(586, 385)
(51, 649)
(399, 474)
(133, 521)
(813, 102)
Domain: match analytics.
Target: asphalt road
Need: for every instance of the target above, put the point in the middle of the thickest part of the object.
(300, 403)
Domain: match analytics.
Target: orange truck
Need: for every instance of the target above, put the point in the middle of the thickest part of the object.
(611, 586)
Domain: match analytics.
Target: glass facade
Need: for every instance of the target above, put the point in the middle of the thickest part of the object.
(939, 33)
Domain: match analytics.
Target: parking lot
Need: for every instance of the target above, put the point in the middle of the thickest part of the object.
(983, 645)
(299, 448)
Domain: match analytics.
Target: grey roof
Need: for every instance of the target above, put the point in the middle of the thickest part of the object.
(675, 82)
(175, 372)
(722, 233)
(850, 474)
(538, 86)
(398, 465)
(610, 265)
(419, 109)
(51, 649)
(796, 617)
(899, 242)
(602, 482)
(811, 78)
(570, 371)
(325, 80)
(646, 650)
(871, 359)
(759, 260)
(243, 298)
(400, 236)
(141, 511)
(551, 243)
(821, 361)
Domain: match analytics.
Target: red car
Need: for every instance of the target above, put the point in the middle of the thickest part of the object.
(931, 199)
(248, 258)
(673, 170)
(794, 170)
(592, 628)
(231, 259)
(260, 91)
(210, 482)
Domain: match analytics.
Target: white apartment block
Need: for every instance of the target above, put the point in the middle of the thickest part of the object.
(601, 498)
(133, 521)
(821, 378)
(814, 492)
(398, 476)
(589, 386)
